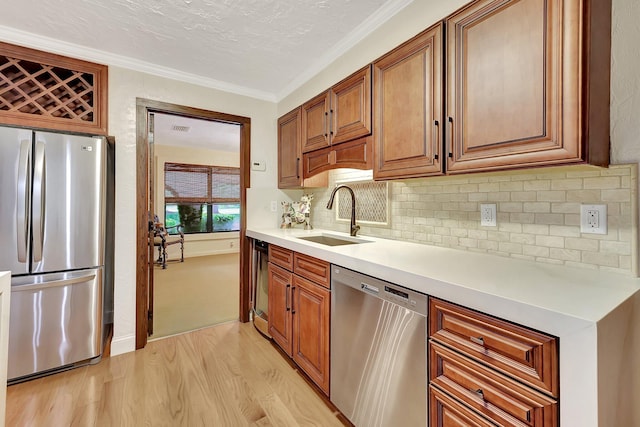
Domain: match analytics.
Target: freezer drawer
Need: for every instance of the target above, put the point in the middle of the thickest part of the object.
(56, 320)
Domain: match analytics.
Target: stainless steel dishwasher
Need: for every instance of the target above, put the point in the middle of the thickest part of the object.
(378, 351)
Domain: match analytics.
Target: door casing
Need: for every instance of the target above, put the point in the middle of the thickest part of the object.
(143, 259)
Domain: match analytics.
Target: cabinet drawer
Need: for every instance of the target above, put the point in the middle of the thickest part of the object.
(448, 412)
(529, 356)
(496, 396)
(281, 256)
(312, 268)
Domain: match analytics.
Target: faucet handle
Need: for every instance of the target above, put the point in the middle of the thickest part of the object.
(354, 230)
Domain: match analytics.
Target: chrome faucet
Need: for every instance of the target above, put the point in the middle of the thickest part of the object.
(354, 227)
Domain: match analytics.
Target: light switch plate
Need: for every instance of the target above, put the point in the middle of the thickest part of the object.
(593, 219)
(488, 214)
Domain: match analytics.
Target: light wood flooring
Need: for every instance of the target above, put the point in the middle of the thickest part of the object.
(199, 292)
(226, 375)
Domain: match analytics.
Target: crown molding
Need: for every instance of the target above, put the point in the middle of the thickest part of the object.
(379, 17)
(34, 41)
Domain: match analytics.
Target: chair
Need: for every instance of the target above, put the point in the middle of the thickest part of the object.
(162, 238)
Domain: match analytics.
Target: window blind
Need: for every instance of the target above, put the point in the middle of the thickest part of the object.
(184, 183)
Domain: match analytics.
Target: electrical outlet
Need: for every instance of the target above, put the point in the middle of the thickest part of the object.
(274, 206)
(488, 215)
(593, 219)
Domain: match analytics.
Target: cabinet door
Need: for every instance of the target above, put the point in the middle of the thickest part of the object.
(514, 90)
(315, 123)
(311, 311)
(289, 154)
(350, 109)
(408, 108)
(280, 307)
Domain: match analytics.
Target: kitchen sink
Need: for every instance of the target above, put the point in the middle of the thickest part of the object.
(332, 240)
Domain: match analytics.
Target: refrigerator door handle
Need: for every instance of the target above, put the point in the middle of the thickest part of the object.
(22, 202)
(53, 283)
(39, 202)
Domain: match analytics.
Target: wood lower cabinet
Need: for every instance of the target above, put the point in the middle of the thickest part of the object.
(408, 108)
(280, 282)
(299, 311)
(310, 312)
(527, 84)
(491, 369)
(497, 397)
(514, 350)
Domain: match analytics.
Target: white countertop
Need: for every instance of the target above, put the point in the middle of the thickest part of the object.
(526, 292)
(590, 311)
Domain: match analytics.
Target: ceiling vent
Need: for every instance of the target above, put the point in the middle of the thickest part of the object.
(181, 128)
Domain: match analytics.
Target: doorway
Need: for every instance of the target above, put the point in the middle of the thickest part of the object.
(146, 112)
(196, 176)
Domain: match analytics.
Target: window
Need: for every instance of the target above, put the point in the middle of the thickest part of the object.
(204, 199)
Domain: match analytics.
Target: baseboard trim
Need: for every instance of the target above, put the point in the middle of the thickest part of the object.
(121, 345)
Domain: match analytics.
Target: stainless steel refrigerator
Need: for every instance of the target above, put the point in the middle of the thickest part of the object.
(52, 239)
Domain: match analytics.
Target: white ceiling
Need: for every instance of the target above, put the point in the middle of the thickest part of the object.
(261, 48)
(198, 133)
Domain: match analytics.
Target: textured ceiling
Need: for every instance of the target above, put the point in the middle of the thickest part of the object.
(196, 133)
(260, 45)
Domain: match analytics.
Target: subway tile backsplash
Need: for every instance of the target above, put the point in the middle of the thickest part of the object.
(538, 214)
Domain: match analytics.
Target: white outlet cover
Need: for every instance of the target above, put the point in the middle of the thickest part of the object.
(259, 166)
(488, 214)
(593, 219)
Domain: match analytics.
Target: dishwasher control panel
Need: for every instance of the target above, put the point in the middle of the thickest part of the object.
(380, 288)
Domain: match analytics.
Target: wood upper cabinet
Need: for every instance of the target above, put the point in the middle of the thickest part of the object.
(290, 173)
(49, 91)
(341, 114)
(311, 313)
(353, 154)
(408, 108)
(527, 84)
(289, 153)
(280, 307)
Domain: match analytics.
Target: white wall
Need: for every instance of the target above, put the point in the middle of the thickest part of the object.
(124, 86)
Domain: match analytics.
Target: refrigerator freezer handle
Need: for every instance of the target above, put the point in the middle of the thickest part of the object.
(39, 202)
(22, 202)
(53, 283)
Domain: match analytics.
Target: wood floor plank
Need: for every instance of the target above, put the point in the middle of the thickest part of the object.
(226, 375)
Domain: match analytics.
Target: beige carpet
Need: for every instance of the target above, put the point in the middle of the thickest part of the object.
(199, 292)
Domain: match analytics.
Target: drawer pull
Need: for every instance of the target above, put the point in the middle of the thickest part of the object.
(478, 340)
(479, 392)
